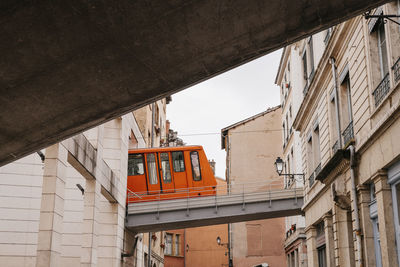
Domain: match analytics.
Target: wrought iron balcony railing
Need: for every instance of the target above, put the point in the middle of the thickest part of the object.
(305, 90)
(348, 134)
(318, 169)
(335, 147)
(311, 179)
(396, 70)
(381, 90)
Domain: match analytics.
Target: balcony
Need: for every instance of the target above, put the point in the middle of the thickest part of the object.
(318, 169)
(311, 179)
(348, 134)
(305, 89)
(396, 70)
(381, 90)
(335, 147)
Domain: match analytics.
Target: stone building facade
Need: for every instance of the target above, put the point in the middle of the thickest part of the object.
(291, 99)
(349, 125)
(252, 145)
(68, 207)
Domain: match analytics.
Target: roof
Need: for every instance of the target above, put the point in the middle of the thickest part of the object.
(164, 149)
(226, 129)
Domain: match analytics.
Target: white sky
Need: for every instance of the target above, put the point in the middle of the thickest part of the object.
(201, 111)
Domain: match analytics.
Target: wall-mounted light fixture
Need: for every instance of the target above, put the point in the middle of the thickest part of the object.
(279, 169)
(80, 188)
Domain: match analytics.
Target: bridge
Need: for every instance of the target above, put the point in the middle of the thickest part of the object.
(67, 66)
(236, 203)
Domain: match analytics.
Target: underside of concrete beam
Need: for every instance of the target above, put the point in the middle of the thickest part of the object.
(67, 66)
(178, 219)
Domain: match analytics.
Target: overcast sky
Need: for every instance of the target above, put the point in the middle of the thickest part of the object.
(200, 112)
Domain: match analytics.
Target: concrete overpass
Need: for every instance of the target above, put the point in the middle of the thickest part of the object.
(240, 205)
(67, 66)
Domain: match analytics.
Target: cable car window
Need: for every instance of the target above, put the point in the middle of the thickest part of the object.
(135, 164)
(194, 158)
(152, 168)
(178, 162)
(166, 169)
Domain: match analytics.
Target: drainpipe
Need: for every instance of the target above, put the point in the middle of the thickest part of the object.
(230, 262)
(355, 207)
(184, 248)
(153, 115)
(335, 88)
(153, 120)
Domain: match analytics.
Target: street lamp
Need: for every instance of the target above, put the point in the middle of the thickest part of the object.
(279, 165)
(279, 169)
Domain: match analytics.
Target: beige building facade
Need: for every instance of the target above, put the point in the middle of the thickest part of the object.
(66, 206)
(252, 145)
(349, 128)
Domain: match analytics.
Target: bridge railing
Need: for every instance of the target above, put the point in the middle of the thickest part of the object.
(271, 187)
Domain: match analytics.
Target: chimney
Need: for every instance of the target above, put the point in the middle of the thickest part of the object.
(212, 164)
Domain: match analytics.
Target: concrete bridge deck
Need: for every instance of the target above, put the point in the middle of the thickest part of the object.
(237, 206)
(67, 66)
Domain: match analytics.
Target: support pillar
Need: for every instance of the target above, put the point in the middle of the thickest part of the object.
(385, 219)
(366, 225)
(344, 236)
(330, 247)
(52, 207)
(90, 223)
(312, 256)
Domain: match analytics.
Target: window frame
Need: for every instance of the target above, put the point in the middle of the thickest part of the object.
(168, 246)
(166, 170)
(173, 161)
(393, 181)
(193, 169)
(148, 169)
(142, 157)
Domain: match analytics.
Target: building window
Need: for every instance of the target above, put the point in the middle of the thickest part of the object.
(321, 244)
(394, 181)
(194, 158)
(333, 123)
(168, 244)
(284, 134)
(165, 167)
(373, 213)
(322, 256)
(178, 161)
(310, 163)
(287, 128)
(379, 57)
(304, 58)
(308, 64)
(383, 57)
(152, 168)
(135, 164)
(346, 111)
(176, 245)
(327, 35)
(316, 146)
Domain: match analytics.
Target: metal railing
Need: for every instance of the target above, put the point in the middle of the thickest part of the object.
(305, 89)
(317, 170)
(335, 146)
(396, 70)
(348, 134)
(272, 187)
(311, 179)
(381, 90)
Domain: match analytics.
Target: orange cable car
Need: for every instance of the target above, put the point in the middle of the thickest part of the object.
(169, 173)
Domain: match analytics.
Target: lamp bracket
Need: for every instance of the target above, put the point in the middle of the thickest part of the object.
(368, 15)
